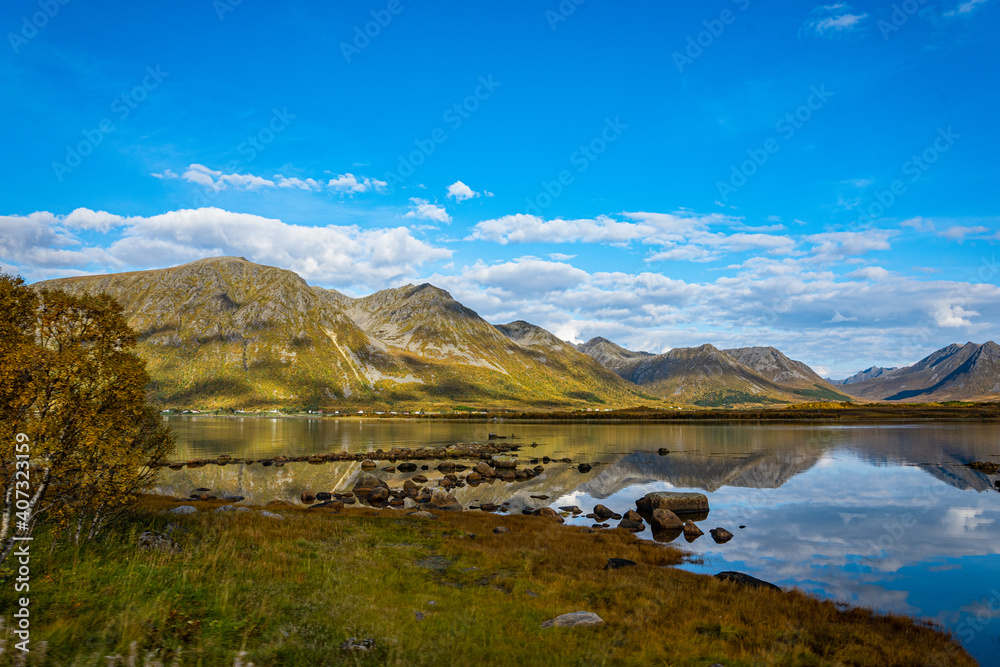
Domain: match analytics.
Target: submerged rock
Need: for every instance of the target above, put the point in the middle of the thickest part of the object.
(692, 530)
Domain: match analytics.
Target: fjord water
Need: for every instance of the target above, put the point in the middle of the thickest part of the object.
(878, 515)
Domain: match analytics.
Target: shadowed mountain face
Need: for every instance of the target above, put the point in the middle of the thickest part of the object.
(225, 332)
(957, 372)
(708, 376)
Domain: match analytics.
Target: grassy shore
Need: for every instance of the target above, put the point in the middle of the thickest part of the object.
(246, 588)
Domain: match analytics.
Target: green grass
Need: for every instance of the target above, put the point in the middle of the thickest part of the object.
(290, 592)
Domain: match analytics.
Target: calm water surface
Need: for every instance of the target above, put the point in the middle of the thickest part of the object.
(883, 516)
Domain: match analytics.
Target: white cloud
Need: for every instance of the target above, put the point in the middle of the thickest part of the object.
(840, 245)
(422, 209)
(958, 232)
(918, 224)
(560, 257)
(298, 183)
(965, 7)
(101, 221)
(42, 245)
(952, 316)
(523, 228)
(870, 273)
(459, 191)
(216, 180)
(348, 183)
(833, 19)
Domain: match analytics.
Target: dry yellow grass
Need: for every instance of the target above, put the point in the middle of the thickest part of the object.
(290, 592)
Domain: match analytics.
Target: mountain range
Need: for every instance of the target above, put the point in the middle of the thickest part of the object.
(226, 332)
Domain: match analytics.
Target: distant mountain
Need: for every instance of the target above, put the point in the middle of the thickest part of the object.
(957, 372)
(225, 332)
(711, 377)
(867, 374)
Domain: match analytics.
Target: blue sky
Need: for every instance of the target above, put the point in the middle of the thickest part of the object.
(815, 177)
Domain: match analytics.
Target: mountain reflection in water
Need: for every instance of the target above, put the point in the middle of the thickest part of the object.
(881, 515)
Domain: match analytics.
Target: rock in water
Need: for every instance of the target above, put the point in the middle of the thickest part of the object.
(577, 619)
(692, 530)
(665, 520)
(632, 515)
(745, 580)
(603, 513)
(676, 502)
(721, 535)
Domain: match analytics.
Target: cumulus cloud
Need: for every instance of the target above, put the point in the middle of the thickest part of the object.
(42, 245)
(953, 316)
(459, 191)
(421, 209)
(833, 19)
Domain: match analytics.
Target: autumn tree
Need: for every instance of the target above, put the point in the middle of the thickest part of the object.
(71, 384)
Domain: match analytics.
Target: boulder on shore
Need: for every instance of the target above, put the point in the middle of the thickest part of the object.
(548, 513)
(577, 619)
(676, 502)
(442, 500)
(745, 580)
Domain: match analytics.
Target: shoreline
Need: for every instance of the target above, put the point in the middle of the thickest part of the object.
(803, 413)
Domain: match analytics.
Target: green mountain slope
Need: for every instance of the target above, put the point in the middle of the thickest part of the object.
(225, 332)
